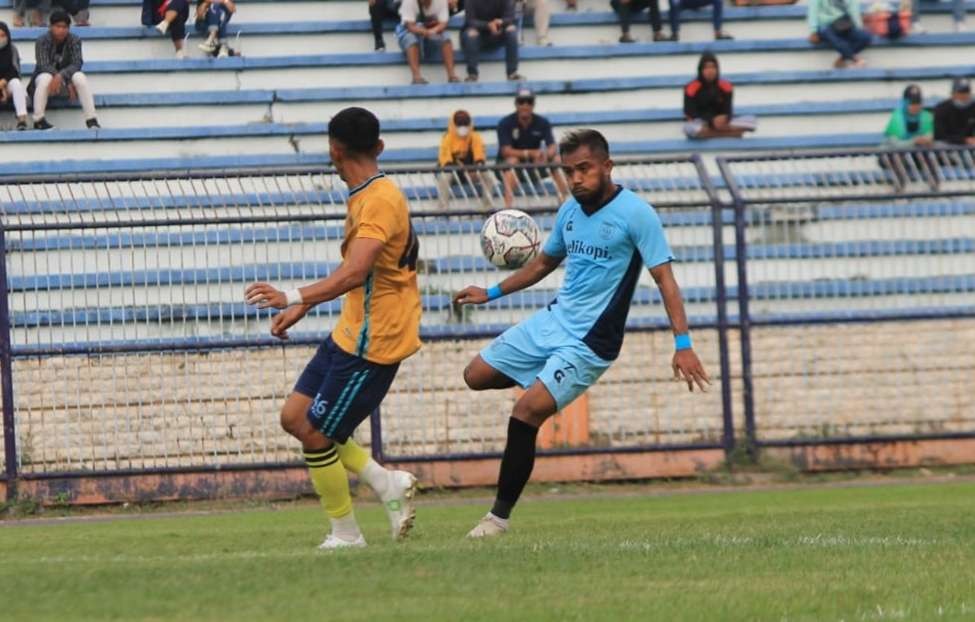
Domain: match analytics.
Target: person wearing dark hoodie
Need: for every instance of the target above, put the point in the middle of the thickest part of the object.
(57, 71)
(10, 85)
(708, 110)
(462, 147)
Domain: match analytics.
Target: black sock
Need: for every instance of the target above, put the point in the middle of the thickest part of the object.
(516, 466)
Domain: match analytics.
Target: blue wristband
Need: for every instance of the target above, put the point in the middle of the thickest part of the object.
(494, 292)
(682, 342)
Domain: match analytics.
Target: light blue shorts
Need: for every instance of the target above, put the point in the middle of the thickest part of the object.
(540, 348)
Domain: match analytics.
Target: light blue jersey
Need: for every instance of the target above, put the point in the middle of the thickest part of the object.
(572, 342)
(605, 252)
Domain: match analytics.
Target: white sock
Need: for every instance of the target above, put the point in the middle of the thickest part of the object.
(501, 521)
(346, 527)
(377, 477)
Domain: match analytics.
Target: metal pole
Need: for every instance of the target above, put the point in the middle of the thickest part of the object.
(744, 315)
(717, 212)
(744, 323)
(7, 378)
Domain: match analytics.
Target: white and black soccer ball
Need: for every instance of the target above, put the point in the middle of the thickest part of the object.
(510, 238)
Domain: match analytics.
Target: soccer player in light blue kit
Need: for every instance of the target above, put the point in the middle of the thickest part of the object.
(608, 234)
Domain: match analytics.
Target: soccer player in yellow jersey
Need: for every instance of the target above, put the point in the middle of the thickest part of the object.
(379, 326)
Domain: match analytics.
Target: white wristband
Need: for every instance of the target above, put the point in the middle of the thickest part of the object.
(293, 297)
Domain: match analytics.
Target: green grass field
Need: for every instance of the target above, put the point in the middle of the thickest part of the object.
(893, 552)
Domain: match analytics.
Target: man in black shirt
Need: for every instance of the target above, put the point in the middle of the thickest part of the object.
(526, 138)
(489, 24)
(954, 119)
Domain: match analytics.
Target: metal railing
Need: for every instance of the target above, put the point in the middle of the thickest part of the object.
(131, 349)
(128, 348)
(859, 269)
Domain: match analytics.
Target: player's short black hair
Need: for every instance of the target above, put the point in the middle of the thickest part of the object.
(357, 129)
(584, 138)
(60, 17)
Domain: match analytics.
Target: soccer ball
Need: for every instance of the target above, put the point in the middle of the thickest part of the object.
(509, 238)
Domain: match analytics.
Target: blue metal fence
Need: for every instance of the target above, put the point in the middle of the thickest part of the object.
(127, 348)
(860, 313)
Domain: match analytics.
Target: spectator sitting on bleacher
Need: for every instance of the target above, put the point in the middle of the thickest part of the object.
(57, 71)
(77, 9)
(910, 124)
(717, 16)
(10, 85)
(31, 11)
(527, 138)
(168, 16)
(541, 16)
(708, 104)
(625, 10)
(839, 24)
(379, 11)
(489, 24)
(462, 147)
(212, 17)
(422, 32)
(954, 118)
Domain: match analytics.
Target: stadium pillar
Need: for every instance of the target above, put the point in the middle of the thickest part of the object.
(7, 378)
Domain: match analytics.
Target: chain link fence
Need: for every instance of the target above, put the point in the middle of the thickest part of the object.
(132, 349)
(859, 284)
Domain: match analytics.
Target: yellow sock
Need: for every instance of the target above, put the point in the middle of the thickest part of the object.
(353, 456)
(330, 481)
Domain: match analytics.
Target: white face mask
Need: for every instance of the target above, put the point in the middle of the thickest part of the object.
(463, 131)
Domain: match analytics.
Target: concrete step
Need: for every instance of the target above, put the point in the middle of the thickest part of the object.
(565, 63)
(311, 138)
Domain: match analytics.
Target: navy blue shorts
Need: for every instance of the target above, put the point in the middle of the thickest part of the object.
(346, 389)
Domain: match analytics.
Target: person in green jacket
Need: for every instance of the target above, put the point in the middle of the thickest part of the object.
(839, 24)
(910, 124)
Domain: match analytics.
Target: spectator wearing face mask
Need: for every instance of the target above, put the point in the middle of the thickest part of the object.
(460, 149)
(910, 124)
(954, 118)
(10, 85)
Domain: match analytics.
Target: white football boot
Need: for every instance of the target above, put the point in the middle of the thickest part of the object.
(333, 542)
(398, 500)
(489, 527)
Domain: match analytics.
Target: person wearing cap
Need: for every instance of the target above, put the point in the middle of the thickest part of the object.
(954, 118)
(910, 124)
(838, 23)
(57, 72)
(490, 24)
(526, 138)
(462, 147)
(421, 34)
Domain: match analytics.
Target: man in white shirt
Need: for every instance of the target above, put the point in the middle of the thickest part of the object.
(422, 32)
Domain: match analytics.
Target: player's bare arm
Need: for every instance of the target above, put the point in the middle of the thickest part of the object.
(361, 256)
(687, 366)
(531, 273)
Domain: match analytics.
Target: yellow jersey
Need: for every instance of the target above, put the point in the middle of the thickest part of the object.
(380, 320)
